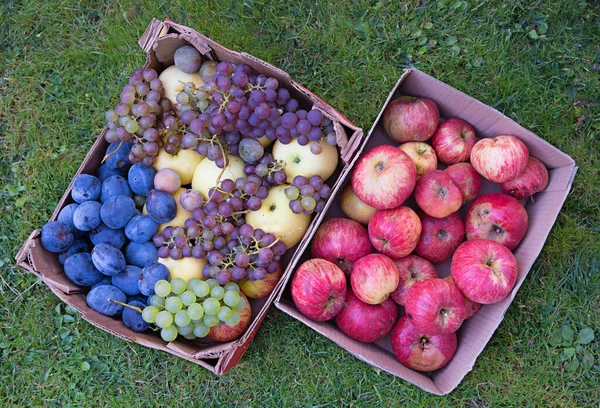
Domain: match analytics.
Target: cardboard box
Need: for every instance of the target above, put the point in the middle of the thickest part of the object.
(543, 211)
(160, 41)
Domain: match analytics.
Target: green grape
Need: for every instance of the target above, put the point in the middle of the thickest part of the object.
(173, 304)
(123, 120)
(132, 126)
(211, 306)
(235, 320)
(225, 313)
(232, 286)
(149, 314)
(185, 330)
(202, 105)
(188, 297)
(308, 203)
(217, 292)
(201, 330)
(195, 311)
(190, 336)
(182, 98)
(162, 288)
(178, 285)
(112, 116)
(164, 319)
(211, 321)
(201, 289)
(157, 301)
(168, 333)
(191, 284)
(240, 306)
(231, 298)
(212, 282)
(292, 192)
(182, 319)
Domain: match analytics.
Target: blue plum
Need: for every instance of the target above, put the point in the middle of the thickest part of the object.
(152, 273)
(117, 211)
(128, 279)
(161, 206)
(56, 236)
(66, 216)
(98, 299)
(117, 155)
(86, 188)
(140, 254)
(108, 259)
(78, 246)
(104, 234)
(106, 280)
(141, 179)
(133, 319)
(141, 228)
(105, 172)
(87, 216)
(80, 269)
(113, 186)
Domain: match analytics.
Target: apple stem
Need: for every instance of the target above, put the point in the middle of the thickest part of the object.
(137, 309)
(113, 152)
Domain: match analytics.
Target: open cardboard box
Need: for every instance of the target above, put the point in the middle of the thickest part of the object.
(160, 40)
(475, 332)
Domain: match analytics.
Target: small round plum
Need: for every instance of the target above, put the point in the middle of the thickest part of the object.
(56, 236)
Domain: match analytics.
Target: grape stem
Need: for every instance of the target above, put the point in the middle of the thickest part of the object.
(113, 152)
(137, 309)
(225, 163)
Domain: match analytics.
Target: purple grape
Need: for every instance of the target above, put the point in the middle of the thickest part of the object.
(225, 68)
(246, 231)
(236, 203)
(295, 206)
(270, 95)
(279, 177)
(209, 222)
(158, 240)
(331, 139)
(279, 248)
(227, 228)
(242, 259)
(272, 267)
(325, 191)
(303, 126)
(300, 181)
(254, 203)
(238, 273)
(186, 251)
(260, 273)
(283, 96)
(316, 182)
(180, 241)
(292, 105)
(198, 214)
(314, 134)
(198, 252)
(167, 232)
(250, 187)
(163, 252)
(206, 271)
(320, 206)
(214, 257)
(223, 278)
(193, 231)
(302, 140)
(289, 120)
(240, 79)
(262, 192)
(176, 253)
(315, 117)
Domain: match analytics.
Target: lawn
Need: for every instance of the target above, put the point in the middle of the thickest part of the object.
(62, 64)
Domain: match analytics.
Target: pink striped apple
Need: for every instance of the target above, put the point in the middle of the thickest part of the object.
(411, 119)
(437, 194)
(466, 179)
(411, 269)
(440, 237)
(373, 278)
(453, 141)
(533, 180)
(395, 232)
(500, 159)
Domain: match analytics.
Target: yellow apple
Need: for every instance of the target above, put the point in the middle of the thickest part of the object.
(174, 81)
(354, 207)
(184, 162)
(261, 288)
(185, 268)
(275, 216)
(299, 160)
(207, 173)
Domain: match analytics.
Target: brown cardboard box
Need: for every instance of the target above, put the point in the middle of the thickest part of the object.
(160, 41)
(543, 211)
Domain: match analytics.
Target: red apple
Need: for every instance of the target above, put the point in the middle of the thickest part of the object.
(354, 207)
(435, 306)
(395, 232)
(319, 289)
(373, 278)
(500, 158)
(422, 155)
(341, 241)
(440, 237)
(224, 332)
(498, 217)
(411, 269)
(366, 323)
(384, 177)
(470, 307)
(421, 352)
(453, 141)
(437, 194)
(485, 271)
(411, 119)
(466, 179)
(261, 288)
(533, 180)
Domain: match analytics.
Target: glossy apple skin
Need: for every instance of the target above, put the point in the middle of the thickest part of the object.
(411, 119)
(453, 141)
(500, 159)
(437, 195)
(261, 288)
(470, 307)
(319, 289)
(421, 352)
(485, 271)
(533, 180)
(422, 155)
(466, 179)
(440, 237)
(373, 278)
(498, 217)
(341, 241)
(366, 323)
(354, 207)
(435, 306)
(384, 177)
(226, 333)
(395, 232)
(411, 269)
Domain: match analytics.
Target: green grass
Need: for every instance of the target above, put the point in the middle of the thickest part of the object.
(63, 63)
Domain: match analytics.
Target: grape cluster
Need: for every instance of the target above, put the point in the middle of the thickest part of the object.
(270, 170)
(191, 309)
(139, 115)
(307, 195)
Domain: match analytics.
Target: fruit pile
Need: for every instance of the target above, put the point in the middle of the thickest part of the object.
(212, 172)
(366, 277)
